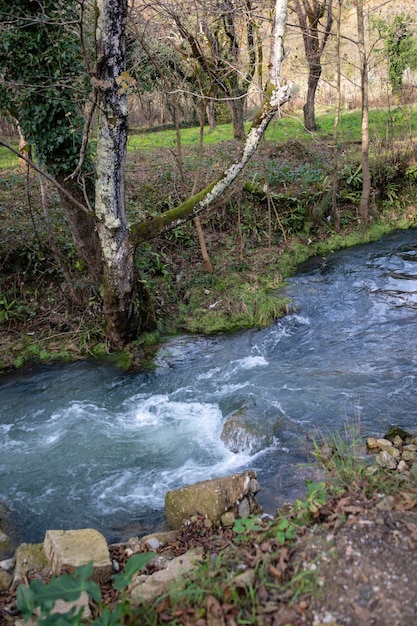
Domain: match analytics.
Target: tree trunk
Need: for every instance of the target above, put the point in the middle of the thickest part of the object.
(366, 174)
(309, 106)
(237, 108)
(24, 146)
(122, 300)
(83, 228)
(211, 114)
(335, 176)
(315, 35)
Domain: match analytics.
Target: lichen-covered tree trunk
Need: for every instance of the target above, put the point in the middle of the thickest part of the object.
(122, 299)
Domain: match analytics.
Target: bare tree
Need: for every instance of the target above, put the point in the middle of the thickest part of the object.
(363, 64)
(315, 20)
(219, 41)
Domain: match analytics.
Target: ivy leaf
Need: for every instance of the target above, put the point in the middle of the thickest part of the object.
(25, 601)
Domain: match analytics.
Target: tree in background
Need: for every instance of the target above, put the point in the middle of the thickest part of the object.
(315, 20)
(363, 66)
(400, 48)
(219, 41)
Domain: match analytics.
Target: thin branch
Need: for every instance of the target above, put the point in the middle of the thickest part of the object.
(46, 176)
(86, 132)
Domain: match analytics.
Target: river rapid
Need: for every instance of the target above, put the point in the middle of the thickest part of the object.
(85, 445)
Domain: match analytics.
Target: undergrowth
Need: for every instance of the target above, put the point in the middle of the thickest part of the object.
(278, 215)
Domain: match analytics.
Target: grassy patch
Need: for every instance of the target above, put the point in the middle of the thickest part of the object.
(8, 160)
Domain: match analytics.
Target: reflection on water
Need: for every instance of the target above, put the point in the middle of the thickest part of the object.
(84, 445)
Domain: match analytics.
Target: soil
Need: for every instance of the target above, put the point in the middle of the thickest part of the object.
(367, 571)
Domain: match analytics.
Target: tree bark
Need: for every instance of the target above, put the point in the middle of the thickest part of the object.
(211, 114)
(82, 226)
(335, 176)
(363, 61)
(309, 16)
(309, 108)
(122, 300)
(237, 108)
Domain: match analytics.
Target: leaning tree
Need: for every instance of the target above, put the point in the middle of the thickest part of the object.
(46, 94)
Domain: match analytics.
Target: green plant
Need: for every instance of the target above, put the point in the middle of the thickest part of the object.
(40, 597)
(285, 530)
(411, 173)
(305, 511)
(353, 176)
(244, 526)
(391, 192)
(11, 310)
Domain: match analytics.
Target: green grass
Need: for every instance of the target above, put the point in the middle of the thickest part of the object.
(383, 123)
(8, 160)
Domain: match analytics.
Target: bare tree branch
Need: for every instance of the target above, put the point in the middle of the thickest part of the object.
(46, 176)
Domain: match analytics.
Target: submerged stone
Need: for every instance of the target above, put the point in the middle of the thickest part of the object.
(252, 426)
(395, 431)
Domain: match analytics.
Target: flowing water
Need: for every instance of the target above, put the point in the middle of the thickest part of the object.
(84, 445)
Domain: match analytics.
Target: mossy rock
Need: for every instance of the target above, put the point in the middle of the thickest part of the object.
(209, 498)
(397, 431)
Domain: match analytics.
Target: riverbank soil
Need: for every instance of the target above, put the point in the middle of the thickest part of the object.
(368, 574)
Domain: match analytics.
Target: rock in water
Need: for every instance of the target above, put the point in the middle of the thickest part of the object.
(213, 498)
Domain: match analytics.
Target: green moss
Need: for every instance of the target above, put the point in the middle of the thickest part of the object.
(397, 431)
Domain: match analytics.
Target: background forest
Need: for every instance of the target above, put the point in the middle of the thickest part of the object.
(336, 166)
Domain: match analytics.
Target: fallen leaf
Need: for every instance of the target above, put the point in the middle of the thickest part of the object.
(412, 528)
(215, 615)
(275, 572)
(243, 580)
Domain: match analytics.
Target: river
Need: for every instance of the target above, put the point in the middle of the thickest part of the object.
(85, 445)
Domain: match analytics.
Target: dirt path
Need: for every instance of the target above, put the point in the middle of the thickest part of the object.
(367, 570)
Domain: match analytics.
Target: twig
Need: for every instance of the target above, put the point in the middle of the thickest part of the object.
(45, 175)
